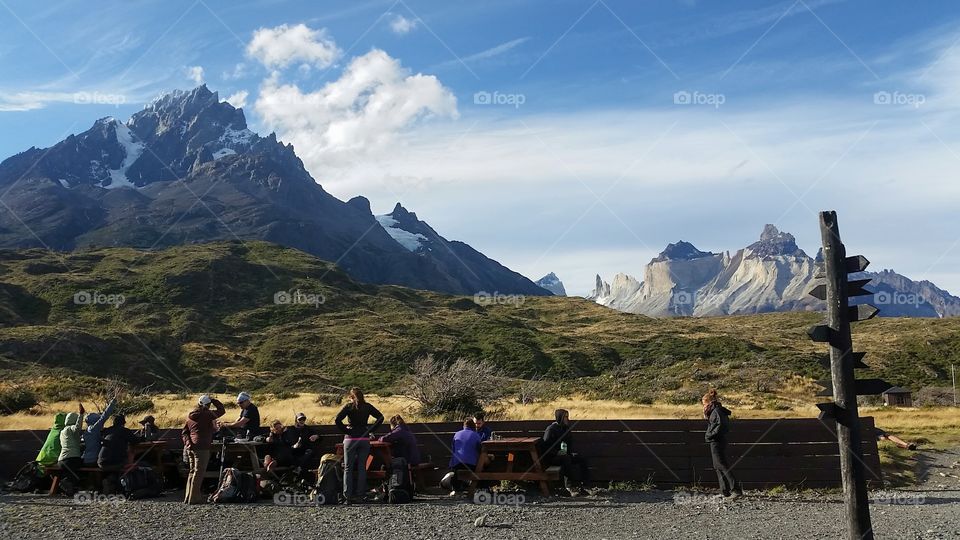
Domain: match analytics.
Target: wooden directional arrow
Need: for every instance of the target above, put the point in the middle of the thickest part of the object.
(855, 287)
(820, 333)
(829, 411)
(857, 360)
(827, 385)
(862, 312)
(819, 292)
(865, 387)
(857, 263)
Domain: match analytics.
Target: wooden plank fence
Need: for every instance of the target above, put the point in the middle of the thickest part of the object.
(669, 453)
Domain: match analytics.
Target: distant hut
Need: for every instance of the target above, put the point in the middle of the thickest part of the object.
(897, 397)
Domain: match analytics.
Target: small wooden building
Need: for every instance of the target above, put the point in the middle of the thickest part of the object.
(897, 397)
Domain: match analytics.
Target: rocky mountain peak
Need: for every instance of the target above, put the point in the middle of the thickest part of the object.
(553, 284)
(681, 251)
(775, 243)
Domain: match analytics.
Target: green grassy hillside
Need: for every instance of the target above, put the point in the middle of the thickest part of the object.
(203, 316)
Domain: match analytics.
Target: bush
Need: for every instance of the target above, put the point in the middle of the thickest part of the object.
(452, 390)
(686, 396)
(329, 400)
(14, 399)
(934, 396)
(129, 405)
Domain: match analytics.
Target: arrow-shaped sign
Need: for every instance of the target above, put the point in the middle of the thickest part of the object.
(819, 292)
(820, 333)
(857, 360)
(857, 263)
(862, 312)
(829, 410)
(865, 387)
(855, 287)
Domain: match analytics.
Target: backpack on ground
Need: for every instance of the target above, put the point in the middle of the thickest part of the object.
(141, 483)
(236, 487)
(28, 478)
(329, 480)
(399, 486)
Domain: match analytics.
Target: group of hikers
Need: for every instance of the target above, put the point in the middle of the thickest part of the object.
(80, 441)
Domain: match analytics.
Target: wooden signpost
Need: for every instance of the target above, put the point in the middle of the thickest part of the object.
(843, 386)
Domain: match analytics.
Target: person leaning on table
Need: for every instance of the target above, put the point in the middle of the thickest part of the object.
(197, 438)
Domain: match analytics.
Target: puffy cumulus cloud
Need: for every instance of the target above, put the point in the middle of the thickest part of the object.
(238, 99)
(284, 45)
(402, 25)
(354, 117)
(195, 74)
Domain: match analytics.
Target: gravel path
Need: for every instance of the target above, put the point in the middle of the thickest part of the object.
(656, 514)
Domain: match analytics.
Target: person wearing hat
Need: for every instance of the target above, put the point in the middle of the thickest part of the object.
(302, 440)
(148, 429)
(197, 438)
(248, 425)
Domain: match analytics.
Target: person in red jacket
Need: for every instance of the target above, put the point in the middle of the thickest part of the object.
(197, 438)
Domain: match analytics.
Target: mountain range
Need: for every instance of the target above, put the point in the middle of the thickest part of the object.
(186, 169)
(772, 274)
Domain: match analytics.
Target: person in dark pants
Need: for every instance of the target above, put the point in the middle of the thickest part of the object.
(465, 454)
(556, 448)
(356, 443)
(718, 425)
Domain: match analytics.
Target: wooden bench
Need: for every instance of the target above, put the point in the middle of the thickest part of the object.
(55, 472)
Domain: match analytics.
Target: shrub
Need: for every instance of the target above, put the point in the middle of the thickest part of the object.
(452, 390)
(329, 400)
(134, 404)
(934, 395)
(17, 398)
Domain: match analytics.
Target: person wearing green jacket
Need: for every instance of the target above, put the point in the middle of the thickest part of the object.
(70, 451)
(50, 451)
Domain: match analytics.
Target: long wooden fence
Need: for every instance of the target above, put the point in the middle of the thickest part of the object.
(668, 453)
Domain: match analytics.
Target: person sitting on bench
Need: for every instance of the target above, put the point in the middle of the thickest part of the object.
(302, 440)
(466, 452)
(279, 452)
(114, 451)
(71, 453)
(148, 430)
(92, 435)
(479, 418)
(403, 443)
(556, 449)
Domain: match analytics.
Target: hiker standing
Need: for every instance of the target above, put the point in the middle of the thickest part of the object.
(197, 438)
(356, 443)
(718, 425)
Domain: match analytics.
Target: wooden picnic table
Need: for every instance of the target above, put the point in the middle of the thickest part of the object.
(244, 450)
(144, 450)
(511, 446)
(378, 449)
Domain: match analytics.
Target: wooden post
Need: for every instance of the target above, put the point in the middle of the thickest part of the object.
(852, 467)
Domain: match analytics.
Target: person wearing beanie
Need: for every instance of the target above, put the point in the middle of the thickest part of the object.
(248, 424)
(92, 435)
(197, 435)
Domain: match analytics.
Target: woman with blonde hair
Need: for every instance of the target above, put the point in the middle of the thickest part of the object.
(718, 425)
(356, 443)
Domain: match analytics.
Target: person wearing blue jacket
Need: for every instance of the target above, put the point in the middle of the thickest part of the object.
(466, 453)
(91, 436)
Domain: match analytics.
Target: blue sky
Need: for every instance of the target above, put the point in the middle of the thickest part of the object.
(571, 136)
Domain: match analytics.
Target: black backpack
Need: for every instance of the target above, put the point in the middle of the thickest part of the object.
(141, 483)
(329, 481)
(236, 487)
(399, 486)
(27, 478)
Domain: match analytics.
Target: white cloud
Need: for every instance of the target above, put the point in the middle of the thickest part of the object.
(238, 72)
(402, 25)
(195, 74)
(238, 99)
(488, 53)
(356, 116)
(284, 45)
